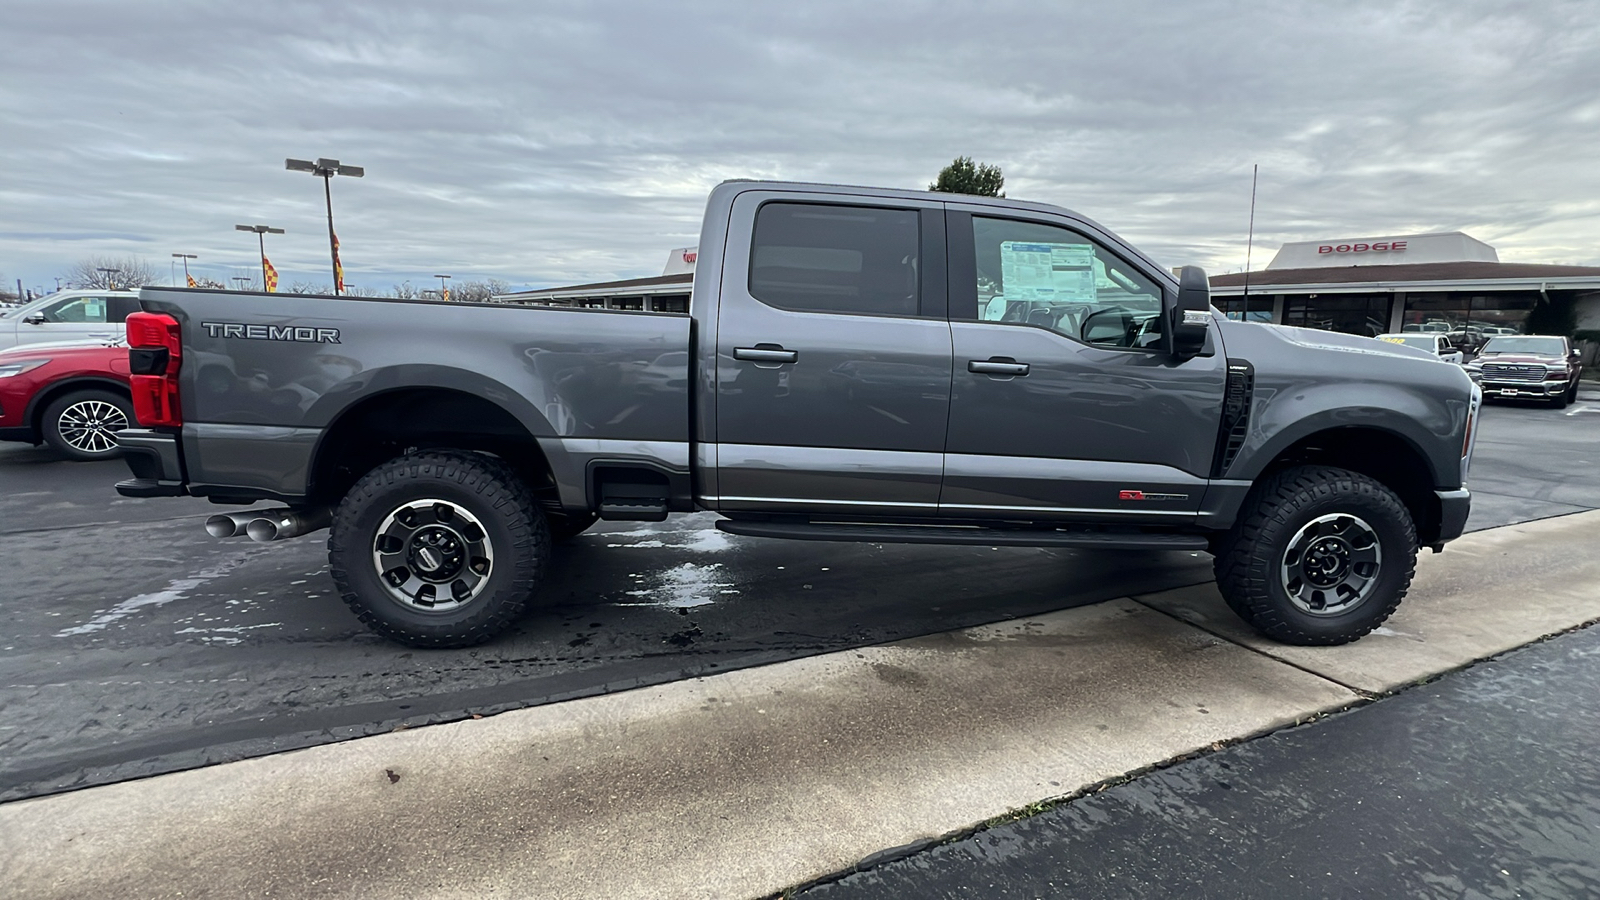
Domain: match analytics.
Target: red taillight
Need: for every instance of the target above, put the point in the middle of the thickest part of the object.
(155, 396)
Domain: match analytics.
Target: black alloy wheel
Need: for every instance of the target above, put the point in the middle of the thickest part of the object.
(441, 548)
(1319, 556)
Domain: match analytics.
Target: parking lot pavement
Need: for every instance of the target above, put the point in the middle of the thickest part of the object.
(140, 645)
(1483, 784)
(134, 644)
(749, 782)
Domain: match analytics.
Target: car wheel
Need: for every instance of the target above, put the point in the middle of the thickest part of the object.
(1320, 556)
(1561, 400)
(439, 548)
(83, 425)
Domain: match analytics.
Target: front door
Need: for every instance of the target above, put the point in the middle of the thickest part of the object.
(78, 318)
(1065, 402)
(833, 357)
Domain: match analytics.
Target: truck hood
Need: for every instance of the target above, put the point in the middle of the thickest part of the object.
(1338, 342)
(1521, 359)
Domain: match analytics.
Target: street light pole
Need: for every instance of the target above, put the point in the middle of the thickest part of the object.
(444, 290)
(111, 277)
(261, 242)
(241, 281)
(185, 257)
(326, 169)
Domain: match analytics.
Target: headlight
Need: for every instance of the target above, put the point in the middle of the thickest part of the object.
(17, 368)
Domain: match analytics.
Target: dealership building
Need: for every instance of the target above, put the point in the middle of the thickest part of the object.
(1445, 282)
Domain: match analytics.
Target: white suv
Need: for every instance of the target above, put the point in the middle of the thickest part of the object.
(68, 316)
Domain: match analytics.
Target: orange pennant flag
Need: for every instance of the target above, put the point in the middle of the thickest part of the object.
(338, 267)
(271, 275)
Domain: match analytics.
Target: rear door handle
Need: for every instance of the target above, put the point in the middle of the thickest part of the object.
(997, 365)
(769, 353)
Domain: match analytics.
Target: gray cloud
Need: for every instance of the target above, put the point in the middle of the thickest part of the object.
(563, 142)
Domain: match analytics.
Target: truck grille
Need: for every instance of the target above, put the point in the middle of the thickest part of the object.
(1509, 372)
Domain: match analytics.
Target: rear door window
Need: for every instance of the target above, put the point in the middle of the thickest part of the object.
(79, 310)
(823, 258)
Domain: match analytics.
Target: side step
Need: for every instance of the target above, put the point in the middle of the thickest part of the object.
(955, 534)
(633, 502)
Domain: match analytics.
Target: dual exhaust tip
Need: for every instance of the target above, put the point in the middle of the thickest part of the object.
(267, 525)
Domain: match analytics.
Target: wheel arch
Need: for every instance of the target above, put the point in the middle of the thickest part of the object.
(34, 413)
(384, 423)
(1389, 457)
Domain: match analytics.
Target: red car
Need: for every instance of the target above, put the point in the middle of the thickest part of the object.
(72, 396)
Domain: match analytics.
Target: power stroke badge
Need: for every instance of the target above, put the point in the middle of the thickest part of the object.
(296, 333)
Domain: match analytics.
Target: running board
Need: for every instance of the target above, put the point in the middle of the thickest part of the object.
(952, 534)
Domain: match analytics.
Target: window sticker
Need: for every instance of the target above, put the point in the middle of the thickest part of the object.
(1063, 273)
(94, 309)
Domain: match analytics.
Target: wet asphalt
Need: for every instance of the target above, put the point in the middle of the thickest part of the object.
(1484, 784)
(133, 644)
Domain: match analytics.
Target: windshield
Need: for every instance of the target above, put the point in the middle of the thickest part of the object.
(1544, 346)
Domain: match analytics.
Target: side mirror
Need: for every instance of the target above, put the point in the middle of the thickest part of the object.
(35, 319)
(1107, 326)
(1575, 354)
(1191, 315)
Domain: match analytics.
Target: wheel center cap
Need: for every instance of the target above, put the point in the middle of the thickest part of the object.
(1327, 562)
(436, 553)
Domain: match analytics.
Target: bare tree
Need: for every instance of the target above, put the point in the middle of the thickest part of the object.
(310, 287)
(478, 291)
(112, 273)
(405, 290)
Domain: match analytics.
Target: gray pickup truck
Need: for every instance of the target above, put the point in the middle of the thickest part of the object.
(856, 365)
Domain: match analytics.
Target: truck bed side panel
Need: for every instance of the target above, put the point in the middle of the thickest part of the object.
(294, 364)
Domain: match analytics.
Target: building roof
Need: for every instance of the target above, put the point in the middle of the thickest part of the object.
(651, 285)
(1468, 272)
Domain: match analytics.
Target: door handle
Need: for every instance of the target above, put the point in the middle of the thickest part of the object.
(770, 353)
(997, 365)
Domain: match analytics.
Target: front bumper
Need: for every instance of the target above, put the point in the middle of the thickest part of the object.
(156, 461)
(1540, 390)
(1454, 507)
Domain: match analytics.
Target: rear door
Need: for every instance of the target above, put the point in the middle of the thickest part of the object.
(1065, 400)
(833, 356)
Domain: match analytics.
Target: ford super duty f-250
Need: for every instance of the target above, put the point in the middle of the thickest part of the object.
(855, 365)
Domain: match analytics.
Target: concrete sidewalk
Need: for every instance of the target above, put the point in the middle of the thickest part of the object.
(742, 784)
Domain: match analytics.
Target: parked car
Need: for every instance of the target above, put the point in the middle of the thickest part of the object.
(1437, 344)
(68, 316)
(1528, 366)
(73, 396)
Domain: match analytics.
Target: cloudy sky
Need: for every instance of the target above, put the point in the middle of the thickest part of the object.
(552, 143)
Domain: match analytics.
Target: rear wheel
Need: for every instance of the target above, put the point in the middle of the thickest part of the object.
(1320, 556)
(83, 425)
(438, 549)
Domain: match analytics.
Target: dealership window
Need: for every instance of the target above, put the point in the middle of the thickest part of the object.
(811, 257)
(1488, 314)
(1365, 314)
(1257, 308)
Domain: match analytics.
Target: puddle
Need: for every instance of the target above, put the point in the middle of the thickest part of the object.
(683, 586)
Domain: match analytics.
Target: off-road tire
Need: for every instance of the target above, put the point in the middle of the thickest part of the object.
(78, 404)
(1250, 558)
(483, 487)
(565, 528)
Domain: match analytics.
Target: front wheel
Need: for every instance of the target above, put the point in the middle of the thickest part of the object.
(438, 549)
(1319, 556)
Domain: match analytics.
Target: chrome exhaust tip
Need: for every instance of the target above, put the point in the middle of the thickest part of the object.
(281, 524)
(235, 524)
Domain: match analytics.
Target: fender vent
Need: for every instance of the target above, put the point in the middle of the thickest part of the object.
(1235, 424)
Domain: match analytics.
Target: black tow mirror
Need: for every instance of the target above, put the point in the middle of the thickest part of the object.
(1191, 315)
